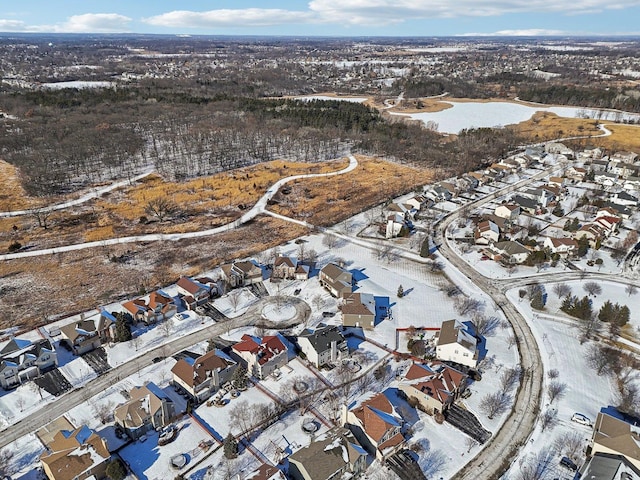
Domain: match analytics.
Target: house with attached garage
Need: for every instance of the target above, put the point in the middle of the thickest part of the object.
(21, 360)
(87, 334)
(241, 274)
(593, 232)
(324, 345)
(261, 356)
(202, 375)
(561, 246)
(156, 307)
(623, 198)
(336, 279)
(358, 310)
(454, 343)
(486, 232)
(80, 454)
(614, 436)
(195, 292)
(289, 268)
(508, 252)
(509, 211)
(333, 455)
(376, 425)
(147, 409)
(434, 386)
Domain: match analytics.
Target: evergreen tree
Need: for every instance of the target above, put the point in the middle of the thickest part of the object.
(400, 292)
(230, 446)
(239, 377)
(537, 300)
(123, 330)
(583, 246)
(116, 470)
(606, 312)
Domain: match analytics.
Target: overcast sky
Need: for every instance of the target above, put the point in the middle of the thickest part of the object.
(325, 17)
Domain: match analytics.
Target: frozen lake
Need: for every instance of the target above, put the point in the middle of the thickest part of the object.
(76, 84)
(497, 114)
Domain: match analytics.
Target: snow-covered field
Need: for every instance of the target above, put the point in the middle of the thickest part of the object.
(76, 84)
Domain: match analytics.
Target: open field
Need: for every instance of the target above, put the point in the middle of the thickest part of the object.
(12, 195)
(32, 290)
(326, 201)
(623, 137)
(548, 126)
(199, 204)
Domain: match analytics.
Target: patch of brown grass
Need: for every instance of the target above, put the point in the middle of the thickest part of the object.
(329, 200)
(548, 126)
(623, 137)
(12, 195)
(422, 105)
(34, 289)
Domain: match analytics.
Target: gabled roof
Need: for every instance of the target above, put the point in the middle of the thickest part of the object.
(286, 261)
(453, 331)
(195, 371)
(192, 286)
(322, 338)
(376, 416)
(560, 241)
(145, 401)
(265, 350)
(81, 328)
(17, 348)
(510, 247)
(358, 304)
(617, 435)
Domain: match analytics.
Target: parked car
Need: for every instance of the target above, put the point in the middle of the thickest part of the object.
(581, 419)
(568, 463)
(328, 314)
(466, 393)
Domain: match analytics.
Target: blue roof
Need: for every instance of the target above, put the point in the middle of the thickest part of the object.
(108, 315)
(156, 390)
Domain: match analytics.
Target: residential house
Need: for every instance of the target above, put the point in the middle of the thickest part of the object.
(196, 292)
(617, 437)
(203, 375)
(417, 202)
(558, 148)
(605, 179)
(599, 166)
(88, 333)
(486, 232)
(79, 454)
(21, 360)
(240, 274)
(480, 177)
(404, 209)
(557, 181)
(395, 224)
(593, 232)
(358, 310)
(541, 196)
(148, 408)
(435, 386)
(512, 163)
(623, 156)
(332, 456)
(608, 223)
(454, 343)
(604, 466)
(336, 279)
(509, 211)
(376, 425)
(620, 210)
(527, 204)
(632, 183)
(508, 251)
(324, 345)
(535, 153)
(561, 246)
(577, 174)
(284, 267)
(623, 170)
(261, 356)
(159, 306)
(623, 198)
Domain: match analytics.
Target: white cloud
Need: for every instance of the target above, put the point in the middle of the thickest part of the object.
(95, 23)
(230, 18)
(86, 23)
(529, 32)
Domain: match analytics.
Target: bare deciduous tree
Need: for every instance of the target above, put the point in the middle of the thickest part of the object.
(161, 208)
(548, 419)
(467, 305)
(569, 444)
(631, 290)
(241, 414)
(510, 378)
(553, 373)
(234, 299)
(561, 290)
(536, 466)
(592, 288)
(5, 462)
(485, 326)
(41, 214)
(511, 341)
(493, 404)
(330, 241)
(556, 390)
(597, 360)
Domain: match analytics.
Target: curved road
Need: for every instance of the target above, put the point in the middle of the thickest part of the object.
(256, 210)
(71, 399)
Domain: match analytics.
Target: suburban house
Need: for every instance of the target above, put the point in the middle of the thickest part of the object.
(557, 181)
(599, 165)
(541, 196)
(486, 232)
(261, 356)
(376, 426)
(416, 202)
(332, 456)
(79, 454)
(623, 198)
(21, 360)
(148, 408)
(561, 246)
(593, 232)
(632, 183)
(358, 310)
(623, 156)
(606, 179)
(604, 466)
(395, 223)
(88, 334)
(558, 148)
(435, 387)
(616, 437)
(608, 223)
(289, 268)
(196, 292)
(455, 344)
(526, 204)
(407, 211)
(576, 174)
(508, 251)
(324, 345)
(240, 274)
(158, 307)
(200, 376)
(622, 211)
(336, 279)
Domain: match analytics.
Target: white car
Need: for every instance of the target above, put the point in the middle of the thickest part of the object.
(581, 419)
(181, 316)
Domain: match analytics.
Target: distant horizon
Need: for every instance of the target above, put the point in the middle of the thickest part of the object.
(328, 18)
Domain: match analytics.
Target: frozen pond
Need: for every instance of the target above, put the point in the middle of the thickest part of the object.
(308, 98)
(76, 84)
(497, 114)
